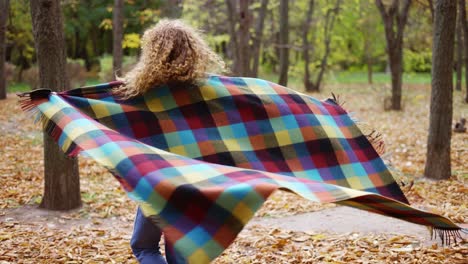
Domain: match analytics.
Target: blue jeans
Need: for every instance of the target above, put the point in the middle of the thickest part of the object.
(145, 243)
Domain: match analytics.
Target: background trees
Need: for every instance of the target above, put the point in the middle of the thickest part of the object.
(245, 29)
(246, 33)
(394, 18)
(283, 41)
(331, 13)
(117, 31)
(464, 26)
(4, 4)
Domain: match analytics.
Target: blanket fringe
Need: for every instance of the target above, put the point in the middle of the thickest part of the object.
(337, 100)
(29, 101)
(447, 236)
(374, 137)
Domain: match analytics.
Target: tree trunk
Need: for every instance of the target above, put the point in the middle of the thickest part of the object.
(172, 9)
(245, 20)
(329, 24)
(4, 7)
(395, 20)
(459, 35)
(440, 126)
(305, 46)
(117, 33)
(283, 42)
(396, 69)
(431, 8)
(367, 28)
(369, 67)
(62, 186)
(257, 42)
(465, 43)
(233, 44)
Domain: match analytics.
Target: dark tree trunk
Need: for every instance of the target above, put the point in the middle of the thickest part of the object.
(395, 20)
(367, 28)
(440, 126)
(76, 52)
(172, 8)
(117, 33)
(4, 7)
(465, 42)
(258, 37)
(459, 35)
(369, 66)
(306, 46)
(240, 46)
(431, 8)
(234, 44)
(329, 24)
(62, 185)
(94, 35)
(245, 19)
(283, 42)
(396, 69)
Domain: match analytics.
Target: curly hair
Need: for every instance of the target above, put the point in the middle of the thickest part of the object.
(172, 52)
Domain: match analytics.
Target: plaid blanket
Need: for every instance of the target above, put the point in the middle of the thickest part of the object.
(201, 160)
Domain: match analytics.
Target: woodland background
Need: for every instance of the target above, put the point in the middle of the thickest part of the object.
(353, 31)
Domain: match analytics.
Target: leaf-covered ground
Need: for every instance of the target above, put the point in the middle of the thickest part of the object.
(100, 230)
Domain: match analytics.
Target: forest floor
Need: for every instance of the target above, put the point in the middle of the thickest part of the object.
(287, 229)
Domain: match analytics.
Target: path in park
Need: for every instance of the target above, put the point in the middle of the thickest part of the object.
(340, 219)
(344, 219)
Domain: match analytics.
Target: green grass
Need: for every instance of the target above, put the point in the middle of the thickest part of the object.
(106, 61)
(24, 87)
(93, 81)
(293, 82)
(18, 88)
(378, 78)
(353, 78)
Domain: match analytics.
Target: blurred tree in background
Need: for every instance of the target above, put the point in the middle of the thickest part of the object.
(321, 44)
(4, 4)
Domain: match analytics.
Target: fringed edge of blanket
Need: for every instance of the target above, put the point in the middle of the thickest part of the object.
(374, 136)
(448, 236)
(29, 101)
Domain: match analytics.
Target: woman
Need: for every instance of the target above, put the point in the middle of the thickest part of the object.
(173, 54)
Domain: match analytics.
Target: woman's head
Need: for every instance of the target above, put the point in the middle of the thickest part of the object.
(172, 52)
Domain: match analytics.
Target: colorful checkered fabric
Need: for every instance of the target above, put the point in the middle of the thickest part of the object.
(201, 159)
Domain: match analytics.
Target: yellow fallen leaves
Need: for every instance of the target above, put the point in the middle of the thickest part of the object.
(448, 198)
(258, 244)
(283, 203)
(38, 243)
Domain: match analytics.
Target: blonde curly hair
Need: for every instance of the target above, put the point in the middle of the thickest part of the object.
(172, 52)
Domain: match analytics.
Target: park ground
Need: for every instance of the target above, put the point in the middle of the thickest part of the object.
(287, 229)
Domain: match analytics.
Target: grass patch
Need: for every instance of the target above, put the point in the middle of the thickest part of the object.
(378, 78)
(351, 78)
(106, 62)
(293, 82)
(93, 81)
(24, 87)
(18, 88)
